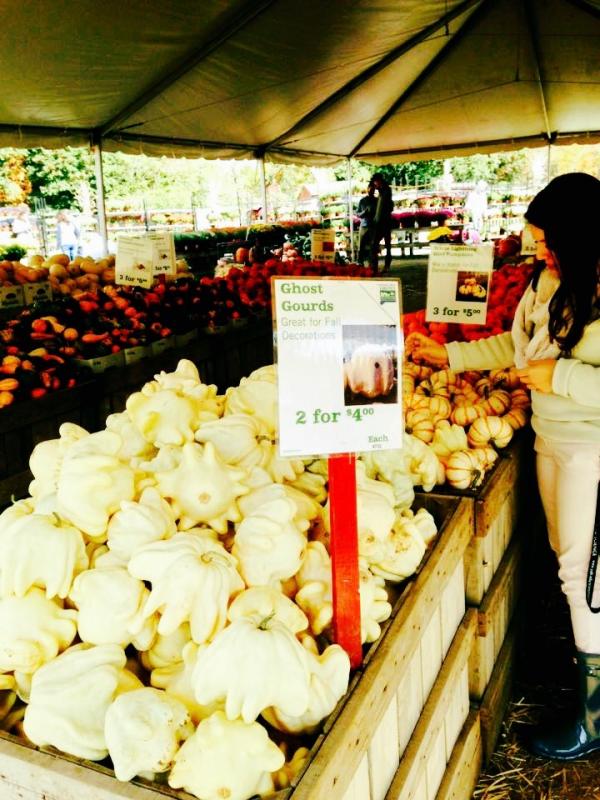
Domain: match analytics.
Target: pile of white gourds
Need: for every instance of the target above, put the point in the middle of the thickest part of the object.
(166, 588)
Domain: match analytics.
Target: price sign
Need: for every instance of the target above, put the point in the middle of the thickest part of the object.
(322, 244)
(458, 283)
(163, 256)
(133, 264)
(528, 245)
(339, 351)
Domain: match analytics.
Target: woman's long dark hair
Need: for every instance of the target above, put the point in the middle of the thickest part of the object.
(568, 211)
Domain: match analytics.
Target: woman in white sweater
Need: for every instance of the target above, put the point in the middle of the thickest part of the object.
(555, 345)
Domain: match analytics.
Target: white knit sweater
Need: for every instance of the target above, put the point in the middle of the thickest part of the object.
(571, 412)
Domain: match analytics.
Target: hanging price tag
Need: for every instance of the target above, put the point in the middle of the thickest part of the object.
(458, 283)
(133, 264)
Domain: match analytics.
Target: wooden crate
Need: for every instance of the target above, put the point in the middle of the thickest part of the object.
(364, 738)
(223, 359)
(464, 767)
(506, 495)
(359, 754)
(497, 695)
(493, 618)
(423, 766)
(29, 422)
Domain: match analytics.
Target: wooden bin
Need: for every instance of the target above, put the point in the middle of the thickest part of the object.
(29, 422)
(424, 764)
(493, 618)
(497, 506)
(372, 724)
(222, 358)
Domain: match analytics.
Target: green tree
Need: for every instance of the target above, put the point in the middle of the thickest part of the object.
(494, 168)
(56, 175)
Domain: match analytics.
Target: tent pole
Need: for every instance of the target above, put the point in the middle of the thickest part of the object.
(350, 206)
(548, 162)
(263, 184)
(100, 205)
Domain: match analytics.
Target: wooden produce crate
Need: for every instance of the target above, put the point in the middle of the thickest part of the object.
(430, 750)
(222, 358)
(358, 756)
(372, 725)
(506, 495)
(493, 618)
(492, 708)
(26, 423)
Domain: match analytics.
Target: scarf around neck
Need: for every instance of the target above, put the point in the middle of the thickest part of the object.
(530, 333)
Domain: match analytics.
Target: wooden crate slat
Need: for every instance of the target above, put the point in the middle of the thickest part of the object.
(465, 762)
(496, 697)
(493, 618)
(407, 780)
(384, 753)
(359, 788)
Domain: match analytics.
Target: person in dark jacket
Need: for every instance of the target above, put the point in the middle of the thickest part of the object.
(383, 222)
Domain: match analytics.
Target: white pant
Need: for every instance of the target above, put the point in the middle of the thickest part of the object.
(568, 476)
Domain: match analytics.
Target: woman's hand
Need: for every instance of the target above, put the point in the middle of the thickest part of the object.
(422, 348)
(538, 375)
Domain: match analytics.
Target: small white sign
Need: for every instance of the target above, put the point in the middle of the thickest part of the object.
(322, 244)
(133, 264)
(163, 259)
(458, 283)
(528, 245)
(339, 353)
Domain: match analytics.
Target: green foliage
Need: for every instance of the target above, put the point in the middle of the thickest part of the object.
(14, 182)
(497, 167)
(57, 175)
(411, 172)
(12, 252)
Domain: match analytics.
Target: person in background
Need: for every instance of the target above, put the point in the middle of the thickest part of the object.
(67, 234)
(555, 346)
(367, 206)
(382, 222)
(476, 203)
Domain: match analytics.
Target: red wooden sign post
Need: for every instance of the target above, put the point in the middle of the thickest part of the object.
(344, 555)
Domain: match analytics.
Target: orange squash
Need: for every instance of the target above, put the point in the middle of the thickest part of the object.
(490, 430)
(241, 255)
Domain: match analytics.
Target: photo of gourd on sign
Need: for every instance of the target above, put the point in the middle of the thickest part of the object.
(472, 286)
(370, 364)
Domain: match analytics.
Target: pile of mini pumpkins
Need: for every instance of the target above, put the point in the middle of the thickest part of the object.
(465, 418)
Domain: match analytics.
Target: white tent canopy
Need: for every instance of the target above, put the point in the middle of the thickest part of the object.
(379, 80)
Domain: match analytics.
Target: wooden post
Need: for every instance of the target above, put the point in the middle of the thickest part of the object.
(344, 555)
(100, 204)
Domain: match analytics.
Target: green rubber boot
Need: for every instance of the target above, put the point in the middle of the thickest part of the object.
(579, 736)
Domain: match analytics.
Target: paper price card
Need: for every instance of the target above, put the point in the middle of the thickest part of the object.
(133, 264)
(458, 283)
(322, 244)
(339, 352)
(163, 257)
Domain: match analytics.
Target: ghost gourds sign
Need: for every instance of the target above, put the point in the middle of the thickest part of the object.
(338, 347)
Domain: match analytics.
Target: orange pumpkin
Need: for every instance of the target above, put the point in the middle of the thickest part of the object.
(465, 415)
(420, 425)
(496, 403)
(516, 418)
(439, 408)
(464, 469)
(241, 255)
(505, 378)
(519, 398)
(486, 430)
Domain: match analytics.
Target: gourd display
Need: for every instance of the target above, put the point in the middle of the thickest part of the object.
(173, 610)
(464, 418)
